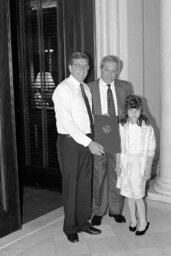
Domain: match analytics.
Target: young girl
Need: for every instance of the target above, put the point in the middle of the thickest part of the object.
(134, 163)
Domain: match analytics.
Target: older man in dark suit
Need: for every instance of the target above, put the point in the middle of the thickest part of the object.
(105, 194)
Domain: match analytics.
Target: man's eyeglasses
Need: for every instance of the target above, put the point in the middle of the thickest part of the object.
(80, 67)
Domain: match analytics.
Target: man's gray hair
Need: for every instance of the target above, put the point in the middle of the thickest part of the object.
(112, 58)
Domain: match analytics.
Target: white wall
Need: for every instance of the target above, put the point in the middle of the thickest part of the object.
(152, 75)
(144, 52)
(135, 45)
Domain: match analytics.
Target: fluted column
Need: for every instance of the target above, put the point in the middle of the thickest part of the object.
(161, 189)
(111, 31)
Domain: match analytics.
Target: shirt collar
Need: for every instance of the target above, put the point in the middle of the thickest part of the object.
(75, 81)
(104, 83)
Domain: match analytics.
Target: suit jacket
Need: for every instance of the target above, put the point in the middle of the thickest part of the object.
(122, 88)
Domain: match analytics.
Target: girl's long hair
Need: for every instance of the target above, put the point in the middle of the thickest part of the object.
(134, 101)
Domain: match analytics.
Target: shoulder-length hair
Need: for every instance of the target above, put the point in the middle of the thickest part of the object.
(134, 101)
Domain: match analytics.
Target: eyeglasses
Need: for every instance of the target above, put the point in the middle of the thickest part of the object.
(80, 67)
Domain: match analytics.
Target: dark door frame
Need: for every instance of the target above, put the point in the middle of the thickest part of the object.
(10, 219)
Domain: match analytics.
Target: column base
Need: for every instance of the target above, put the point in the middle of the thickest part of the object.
(154, 195)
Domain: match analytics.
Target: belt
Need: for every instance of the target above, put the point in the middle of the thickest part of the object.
(69, 136)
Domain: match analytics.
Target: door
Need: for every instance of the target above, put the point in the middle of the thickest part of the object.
(9, 194)
(48, 32)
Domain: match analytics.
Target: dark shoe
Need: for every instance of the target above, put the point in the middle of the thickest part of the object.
(132, 229)
(96, 220)
(73, 238)
(90, 230)
(118, 217)
(140, 233)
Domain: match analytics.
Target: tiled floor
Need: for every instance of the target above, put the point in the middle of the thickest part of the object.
(44, 237)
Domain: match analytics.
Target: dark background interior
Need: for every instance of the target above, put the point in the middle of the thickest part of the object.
(44, 34)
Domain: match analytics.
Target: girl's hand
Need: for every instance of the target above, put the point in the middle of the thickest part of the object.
(147, 174)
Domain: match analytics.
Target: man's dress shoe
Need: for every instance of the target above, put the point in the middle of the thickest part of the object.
(73, 237)
(118, 217)
(140, 233)
(96, 220)
(90, 230)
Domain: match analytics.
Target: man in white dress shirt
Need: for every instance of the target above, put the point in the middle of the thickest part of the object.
(75, 147)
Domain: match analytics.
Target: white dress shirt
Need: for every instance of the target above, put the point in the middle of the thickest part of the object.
(70, 110)
(103, 96)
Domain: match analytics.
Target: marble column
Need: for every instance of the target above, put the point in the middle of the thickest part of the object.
(111, 31)
(161, 189)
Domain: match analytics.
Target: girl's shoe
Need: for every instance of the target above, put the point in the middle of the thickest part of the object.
(132, 229)
(140, 233)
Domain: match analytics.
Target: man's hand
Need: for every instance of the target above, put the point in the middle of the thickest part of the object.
(96, 148)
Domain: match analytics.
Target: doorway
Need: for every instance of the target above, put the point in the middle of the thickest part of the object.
(48, 31)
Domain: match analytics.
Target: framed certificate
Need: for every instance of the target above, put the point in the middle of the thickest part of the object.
(106, 129)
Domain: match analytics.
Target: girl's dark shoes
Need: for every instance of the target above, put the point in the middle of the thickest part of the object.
(132, 229)
(142, 232)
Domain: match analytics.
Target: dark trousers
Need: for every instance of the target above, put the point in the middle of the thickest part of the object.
(75, 163)
(105, 194)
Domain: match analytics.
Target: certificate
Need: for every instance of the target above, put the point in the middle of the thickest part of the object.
(106, 129)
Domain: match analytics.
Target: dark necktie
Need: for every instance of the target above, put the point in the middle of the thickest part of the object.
(88, 108)
(110, 101)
